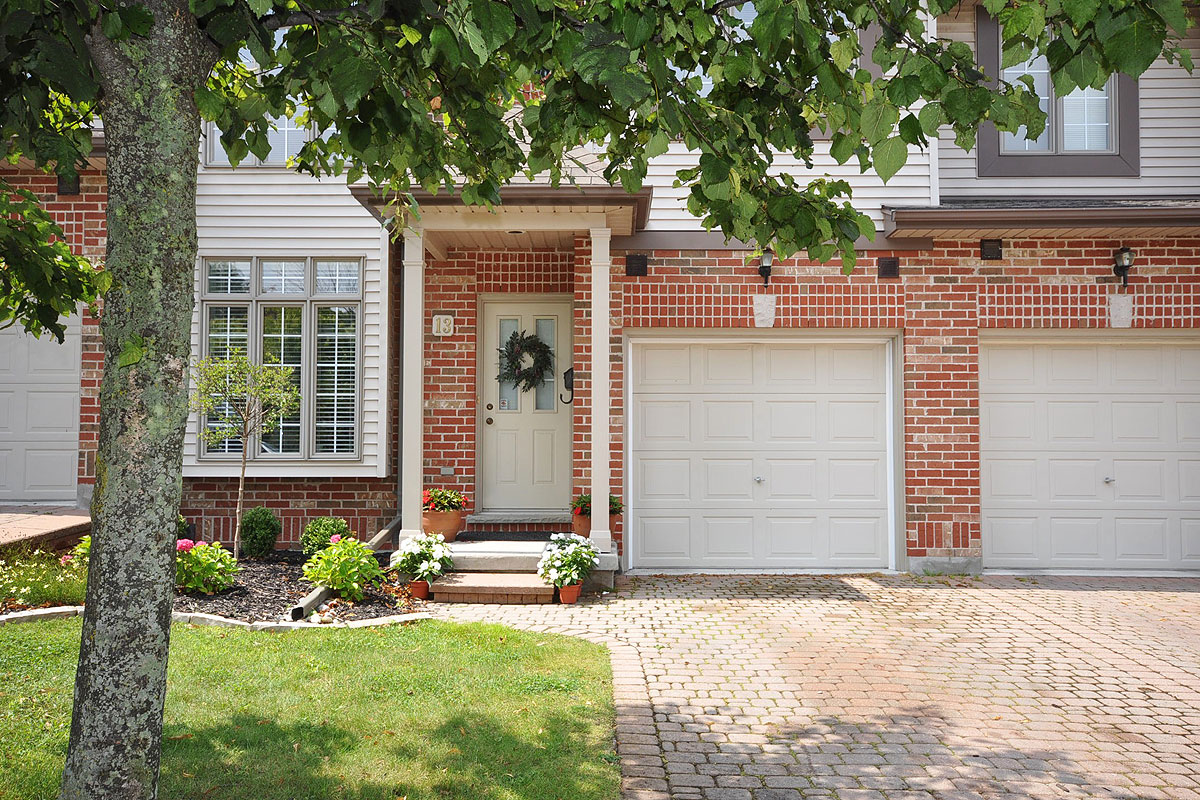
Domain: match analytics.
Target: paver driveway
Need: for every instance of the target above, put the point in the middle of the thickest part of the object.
(772, 688)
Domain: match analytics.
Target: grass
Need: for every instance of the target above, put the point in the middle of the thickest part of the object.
(37, 578)
(423, 712)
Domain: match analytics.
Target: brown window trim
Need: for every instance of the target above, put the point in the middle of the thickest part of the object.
(990, 162)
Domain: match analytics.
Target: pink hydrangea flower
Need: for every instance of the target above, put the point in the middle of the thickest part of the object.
(337, 537)
(65, 560)
(184, 545)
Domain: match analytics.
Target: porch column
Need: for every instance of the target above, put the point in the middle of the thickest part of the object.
(412, 383)
(601, 261)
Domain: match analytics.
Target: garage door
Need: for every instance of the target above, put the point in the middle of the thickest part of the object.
(39, 416)
(759, 455)
(1091, 455)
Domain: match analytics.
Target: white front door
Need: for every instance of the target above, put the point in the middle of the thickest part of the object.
(760, 455)
(1090, 455)
(525, 446)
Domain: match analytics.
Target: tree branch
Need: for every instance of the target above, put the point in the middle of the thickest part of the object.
(274, 22)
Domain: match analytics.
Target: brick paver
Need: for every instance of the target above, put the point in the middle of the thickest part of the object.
(870, 687)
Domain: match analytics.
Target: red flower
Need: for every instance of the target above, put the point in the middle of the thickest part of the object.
(577, 510)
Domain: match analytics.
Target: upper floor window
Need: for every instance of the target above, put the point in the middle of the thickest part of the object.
(303, 313)
(1089, 132)
(286, 140)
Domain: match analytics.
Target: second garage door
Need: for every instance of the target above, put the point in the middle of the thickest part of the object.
(1091, 455)
(759, 455)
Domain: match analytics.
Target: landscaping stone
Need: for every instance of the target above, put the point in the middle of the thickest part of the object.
(894, 687)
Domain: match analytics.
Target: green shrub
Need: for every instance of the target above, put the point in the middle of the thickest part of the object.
(260, 529)
(568, 560)
(319, 532)
(204, 566)
(40, 578)
(181, 527)
(347, 566)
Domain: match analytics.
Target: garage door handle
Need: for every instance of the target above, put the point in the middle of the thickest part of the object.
(1110, 480)
(758, 479)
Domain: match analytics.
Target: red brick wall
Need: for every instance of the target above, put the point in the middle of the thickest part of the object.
(82, 218)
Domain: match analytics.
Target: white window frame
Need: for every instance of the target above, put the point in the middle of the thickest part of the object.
(213, 152)
(257, 302)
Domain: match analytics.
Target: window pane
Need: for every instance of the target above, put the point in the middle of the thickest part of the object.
(228, 334)
(546, 394)
(336, 380)
(228, 330)
(228, 277)
(283, 277)
(216, 151)
(1039, 69)
(510, 398)
(283, 344)
(286, 140)
(337, 277)
(1085, 120)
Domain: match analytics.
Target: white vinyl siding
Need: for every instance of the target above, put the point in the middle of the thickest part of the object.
(1169, 149)
(279, 215)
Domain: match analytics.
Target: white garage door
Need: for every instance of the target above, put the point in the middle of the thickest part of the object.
(1091, 455)
(39, 415)
(759, 455)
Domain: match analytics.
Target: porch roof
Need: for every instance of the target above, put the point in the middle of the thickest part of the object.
(529, 216)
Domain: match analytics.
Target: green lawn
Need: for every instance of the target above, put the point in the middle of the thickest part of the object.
(430, 710)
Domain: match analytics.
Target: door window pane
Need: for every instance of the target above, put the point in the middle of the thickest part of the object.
(337, 277)
(334, 405)
(283, 277)
(283, 345)
(228, 277)
(547, 393)
(510, 398)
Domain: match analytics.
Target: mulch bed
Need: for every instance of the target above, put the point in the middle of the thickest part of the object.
(267, 589)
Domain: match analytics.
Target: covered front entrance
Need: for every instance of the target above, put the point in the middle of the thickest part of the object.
(524, 435)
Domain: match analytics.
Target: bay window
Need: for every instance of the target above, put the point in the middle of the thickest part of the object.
(304, 313)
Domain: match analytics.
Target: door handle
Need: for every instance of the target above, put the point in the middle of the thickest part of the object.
(758, 479)
(568, 377)
(1110, 480)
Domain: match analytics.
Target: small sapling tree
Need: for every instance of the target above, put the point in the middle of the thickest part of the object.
(238, 402)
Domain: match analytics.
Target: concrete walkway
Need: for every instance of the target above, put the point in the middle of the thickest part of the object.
(42, 526)
(870, 687)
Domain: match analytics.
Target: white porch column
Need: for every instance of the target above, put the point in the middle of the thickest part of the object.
(412, 383)
(601, 262)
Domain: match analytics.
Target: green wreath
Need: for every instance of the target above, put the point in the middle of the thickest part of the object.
(512, 357)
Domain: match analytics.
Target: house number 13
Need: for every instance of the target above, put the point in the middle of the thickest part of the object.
(443, 325)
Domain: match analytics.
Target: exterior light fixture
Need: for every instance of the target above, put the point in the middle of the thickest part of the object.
(764, 265)
(1122, 263)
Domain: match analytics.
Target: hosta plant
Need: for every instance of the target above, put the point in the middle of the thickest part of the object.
(568, 560)
(204, 567)
(347, 566)
(424, 557)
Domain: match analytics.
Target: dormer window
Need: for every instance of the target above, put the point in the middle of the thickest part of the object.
(286, 140)
(1089, 132)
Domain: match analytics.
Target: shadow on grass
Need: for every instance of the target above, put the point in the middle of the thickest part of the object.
(480, 757)
(252, 759)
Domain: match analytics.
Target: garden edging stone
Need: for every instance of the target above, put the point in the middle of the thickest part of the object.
(193, 618)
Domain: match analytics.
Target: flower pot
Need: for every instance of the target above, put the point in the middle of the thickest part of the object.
(581, 524)
(447, 523)
(570, 593)
(419, 589)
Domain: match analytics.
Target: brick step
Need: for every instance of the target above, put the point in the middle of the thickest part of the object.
(490, 587)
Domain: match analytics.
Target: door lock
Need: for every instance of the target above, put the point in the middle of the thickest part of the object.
(490, 406)
(488, 420)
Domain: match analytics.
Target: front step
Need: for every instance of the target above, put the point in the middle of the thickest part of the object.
(490, 587)
(497, 556)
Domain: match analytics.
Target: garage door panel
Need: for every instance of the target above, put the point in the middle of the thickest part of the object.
(1115, 430)
(1189, 531)
(818, 453)
(663, 366)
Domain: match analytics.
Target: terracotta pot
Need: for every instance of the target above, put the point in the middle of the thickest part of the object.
(419, 589)
(581, 524)
(447, 523)
(570, 593)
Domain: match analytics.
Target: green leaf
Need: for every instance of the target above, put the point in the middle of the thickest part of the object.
(445, 42)
(352, 79)
(658, 144)
(137, 19)
(131, 352)
(843, 52)
(209, 103)
(637, 29)
(889, 156)
(877, 120)
(1134, 48)
(931, 118)
(496, 25)
(627, 88)
(1080, 12)
(842, 146)
(259, 7)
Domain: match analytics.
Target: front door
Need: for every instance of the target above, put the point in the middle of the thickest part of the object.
(525, 446)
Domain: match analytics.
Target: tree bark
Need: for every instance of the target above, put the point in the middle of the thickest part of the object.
(152, 129)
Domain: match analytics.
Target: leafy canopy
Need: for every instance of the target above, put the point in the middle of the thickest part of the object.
(465, 95)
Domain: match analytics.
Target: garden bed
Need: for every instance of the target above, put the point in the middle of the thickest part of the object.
(267, 588)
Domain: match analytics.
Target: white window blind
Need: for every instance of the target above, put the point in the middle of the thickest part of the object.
(337, 378)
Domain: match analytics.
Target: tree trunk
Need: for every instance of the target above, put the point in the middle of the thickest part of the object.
(152, 129)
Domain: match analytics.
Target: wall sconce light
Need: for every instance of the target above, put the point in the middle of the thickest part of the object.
(764, 265)
(1122, 263)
